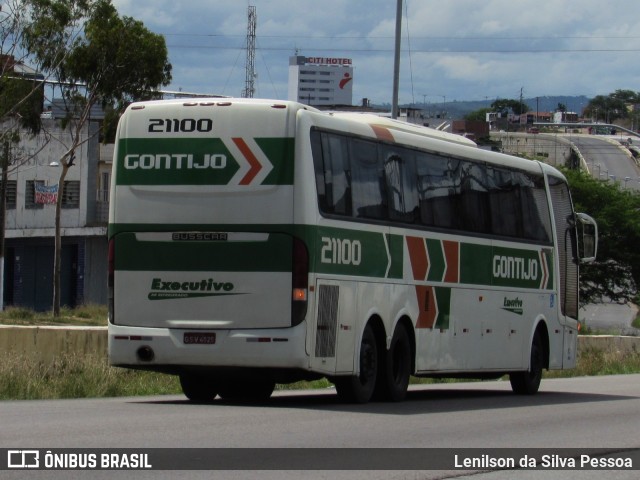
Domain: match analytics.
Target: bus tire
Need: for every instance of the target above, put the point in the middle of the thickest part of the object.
(528, 382)
(396, 369)
(198, 388)
(359, 388)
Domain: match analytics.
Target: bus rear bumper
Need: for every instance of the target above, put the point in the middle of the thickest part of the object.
(164, 348)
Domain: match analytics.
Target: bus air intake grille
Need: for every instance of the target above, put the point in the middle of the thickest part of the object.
(327, 320)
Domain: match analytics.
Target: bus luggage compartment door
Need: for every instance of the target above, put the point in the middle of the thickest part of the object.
(203, 279)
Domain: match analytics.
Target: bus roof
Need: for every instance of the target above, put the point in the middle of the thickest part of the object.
(398, 125)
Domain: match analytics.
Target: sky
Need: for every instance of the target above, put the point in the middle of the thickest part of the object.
(451, 49)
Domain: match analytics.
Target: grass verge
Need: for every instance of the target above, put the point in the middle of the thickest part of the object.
(85, 315)
(73, 376)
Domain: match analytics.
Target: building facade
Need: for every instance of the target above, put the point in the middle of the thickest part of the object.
(32, 188)
(319, 81)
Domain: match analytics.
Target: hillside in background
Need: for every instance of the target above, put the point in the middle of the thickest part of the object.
(457, 109)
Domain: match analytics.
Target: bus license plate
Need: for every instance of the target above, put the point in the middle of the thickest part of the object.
(199, 338)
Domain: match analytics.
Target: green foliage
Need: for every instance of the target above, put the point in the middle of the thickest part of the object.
(613, 106)
(504, 105)
(75, 376)
(118, 58)
(616, 273)
(594, 362)
(98, 56)
(90, 315)
(478, 115)
(21, 98)
(52, 26)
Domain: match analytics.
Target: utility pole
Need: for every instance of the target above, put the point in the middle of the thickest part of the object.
(250, 70)
(396, 62)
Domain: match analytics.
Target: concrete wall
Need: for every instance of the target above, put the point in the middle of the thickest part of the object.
(47, 342)
(609, 343)
(552, 149)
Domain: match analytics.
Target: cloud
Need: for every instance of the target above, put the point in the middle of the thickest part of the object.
(463, 49)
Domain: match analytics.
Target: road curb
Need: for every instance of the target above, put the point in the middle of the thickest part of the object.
(46, 343)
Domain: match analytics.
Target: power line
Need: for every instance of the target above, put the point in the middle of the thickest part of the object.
(415, 37)
(414, 50)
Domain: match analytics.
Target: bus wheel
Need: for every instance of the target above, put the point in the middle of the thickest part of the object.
(359, 389)
(396, 370)
(527, 383)
(198, 388)
(247, 390)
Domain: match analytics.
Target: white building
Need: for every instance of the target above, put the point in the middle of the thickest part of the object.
(318, 81)
(30, 220)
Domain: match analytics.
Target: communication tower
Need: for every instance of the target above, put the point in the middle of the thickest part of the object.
(250, 72)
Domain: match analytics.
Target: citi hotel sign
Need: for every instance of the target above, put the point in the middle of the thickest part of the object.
(345, 62)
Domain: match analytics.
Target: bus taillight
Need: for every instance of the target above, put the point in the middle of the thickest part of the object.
(299, 281)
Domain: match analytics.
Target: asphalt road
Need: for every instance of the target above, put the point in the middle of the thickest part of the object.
(595, 412)
(608, 161)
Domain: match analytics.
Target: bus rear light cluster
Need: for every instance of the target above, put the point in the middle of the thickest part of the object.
(299, 281)
(299, 294)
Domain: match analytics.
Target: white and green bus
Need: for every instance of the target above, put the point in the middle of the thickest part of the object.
(255, 242)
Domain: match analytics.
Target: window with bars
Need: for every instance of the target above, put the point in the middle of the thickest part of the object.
(11, 194)
(30, 195)
(71, 194)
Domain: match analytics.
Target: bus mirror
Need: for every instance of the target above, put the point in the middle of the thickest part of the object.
(588, 234)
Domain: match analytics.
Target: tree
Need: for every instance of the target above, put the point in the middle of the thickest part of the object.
(613, 106)
(505, 106)
(616, 273)
(478, 115)
(98, 58)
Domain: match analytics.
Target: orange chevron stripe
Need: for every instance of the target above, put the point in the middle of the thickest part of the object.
(255, 165)
(452, 256)
(418, 257)
(382, 133)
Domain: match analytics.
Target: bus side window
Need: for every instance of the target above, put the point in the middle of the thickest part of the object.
(504, 206)
(324, 199)
(368, 182)
(438, 181)
(474, 198)
(535, 213)
(331, 163)
(399, 166)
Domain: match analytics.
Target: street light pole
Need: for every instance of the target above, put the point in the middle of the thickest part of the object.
(396, 62)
